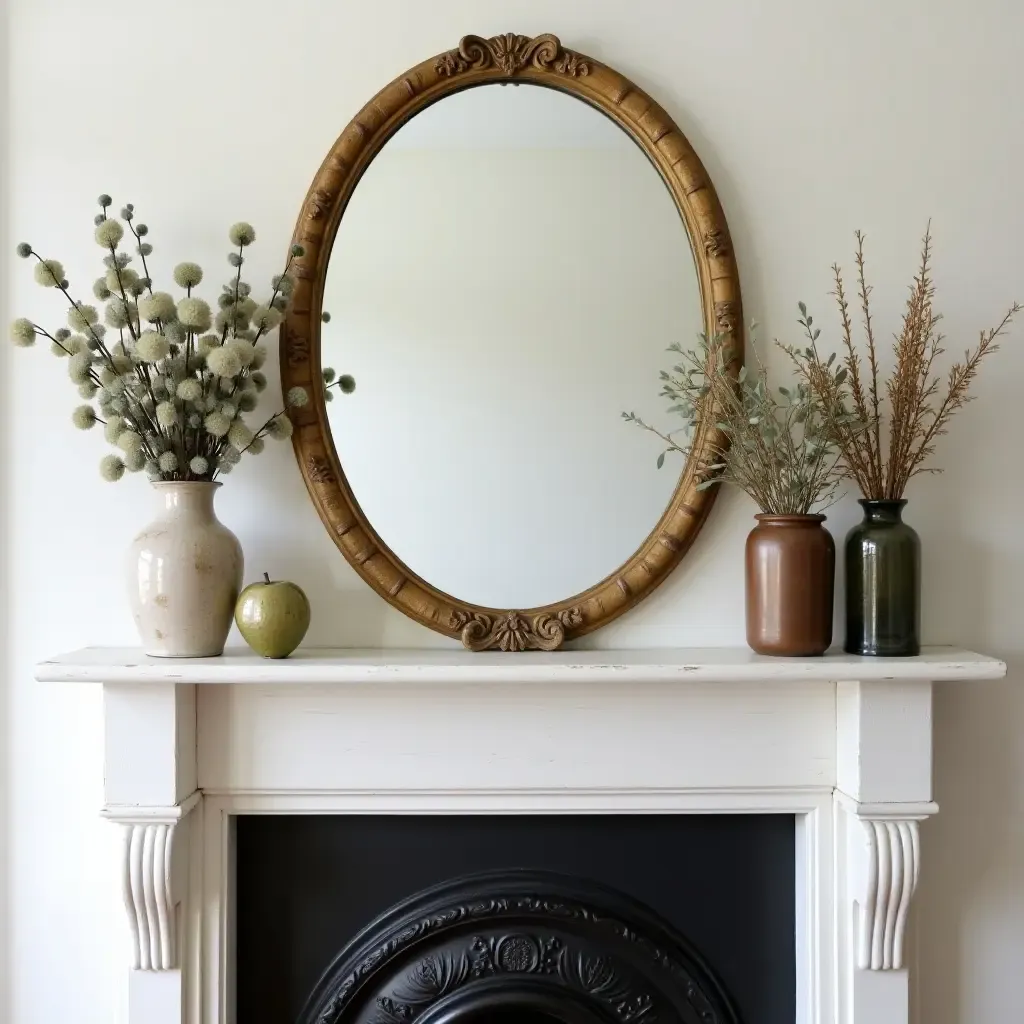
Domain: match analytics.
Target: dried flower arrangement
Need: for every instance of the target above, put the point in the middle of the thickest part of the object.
(776, 449)
(172, 391)
(882, 453)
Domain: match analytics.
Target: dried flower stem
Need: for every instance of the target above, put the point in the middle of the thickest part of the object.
(917, 415)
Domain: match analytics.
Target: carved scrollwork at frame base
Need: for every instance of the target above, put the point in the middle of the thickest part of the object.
(513, 631)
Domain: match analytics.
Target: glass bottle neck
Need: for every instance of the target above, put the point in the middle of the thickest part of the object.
(883, 511)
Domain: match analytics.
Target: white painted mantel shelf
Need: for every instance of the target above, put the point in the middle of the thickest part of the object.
(842, 743)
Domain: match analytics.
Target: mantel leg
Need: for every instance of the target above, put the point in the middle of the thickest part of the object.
(150, 791)
(884, 746)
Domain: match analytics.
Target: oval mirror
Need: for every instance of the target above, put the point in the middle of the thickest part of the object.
(505, 257)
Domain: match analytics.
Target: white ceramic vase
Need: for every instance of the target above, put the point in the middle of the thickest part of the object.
(184, 574)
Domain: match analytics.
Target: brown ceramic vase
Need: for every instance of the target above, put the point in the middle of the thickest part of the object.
(790, 573)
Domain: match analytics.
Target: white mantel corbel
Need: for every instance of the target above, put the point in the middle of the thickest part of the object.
(842, 743)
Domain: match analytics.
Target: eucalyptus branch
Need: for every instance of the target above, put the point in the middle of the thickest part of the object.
(767, 442)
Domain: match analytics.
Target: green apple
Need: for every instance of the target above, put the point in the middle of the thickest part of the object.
(272, 617)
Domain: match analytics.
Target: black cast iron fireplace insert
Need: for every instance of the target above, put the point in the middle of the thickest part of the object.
(312, 895)
(520, 947)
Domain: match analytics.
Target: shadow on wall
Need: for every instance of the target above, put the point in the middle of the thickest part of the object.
(972, 882)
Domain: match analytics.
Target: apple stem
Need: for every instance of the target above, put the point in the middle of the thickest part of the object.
(266, 577)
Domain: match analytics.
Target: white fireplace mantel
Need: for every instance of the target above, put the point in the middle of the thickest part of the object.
(842, 743)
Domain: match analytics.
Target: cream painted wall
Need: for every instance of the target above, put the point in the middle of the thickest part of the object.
(813, 119)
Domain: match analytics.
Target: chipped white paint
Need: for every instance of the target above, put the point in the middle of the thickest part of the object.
(429, 666)
(842, 743)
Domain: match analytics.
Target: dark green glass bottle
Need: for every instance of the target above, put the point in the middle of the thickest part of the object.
(883, 583)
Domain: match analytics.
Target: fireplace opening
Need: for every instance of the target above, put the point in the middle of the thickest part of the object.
(610, 919)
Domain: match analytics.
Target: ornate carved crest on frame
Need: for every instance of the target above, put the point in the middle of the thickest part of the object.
(478, 60)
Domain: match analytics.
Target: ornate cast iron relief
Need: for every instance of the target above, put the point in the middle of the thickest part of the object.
(545, 941)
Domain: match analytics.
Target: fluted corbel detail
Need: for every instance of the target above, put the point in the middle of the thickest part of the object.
(149, 874)
(884, 842)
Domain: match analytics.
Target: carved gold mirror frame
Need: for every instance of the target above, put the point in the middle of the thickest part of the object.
(476, 61)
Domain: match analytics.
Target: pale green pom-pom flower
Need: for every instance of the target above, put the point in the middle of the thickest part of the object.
(111, 468)
(129, 440)
(194, 314)
(49, 273)
(100, 289)
(265, 318)
(123, 364)
(166, 414)
(174, 332)
(229, 409)
(80, 317)
(88, 389)
(152, 347)
(78, 367)
(328, 374)
(76, 343)
(259, 356)
(246, 401)
(230, 455)
(239, 435)
(57, 350)
(217, 424)
(116, 314)
(234, 259)
(23, 332)
(24, 250)
(280, 427)
(242, 349)
(297, 397)
(112, 431)
(159, 306)
(206, 344)
(190, 390)
(195, 421)
(224, 467)
(242, 234)
(347, 383)
(259, 380)
(256, 445)
(298, 251)
(224, 362)
(134, 460)
(168, 462)
(199, 466)
(109, 233)
(188, 275)
(128, 280)
(84, 417)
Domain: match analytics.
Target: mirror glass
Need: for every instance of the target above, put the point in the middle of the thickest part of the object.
(504, 283)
